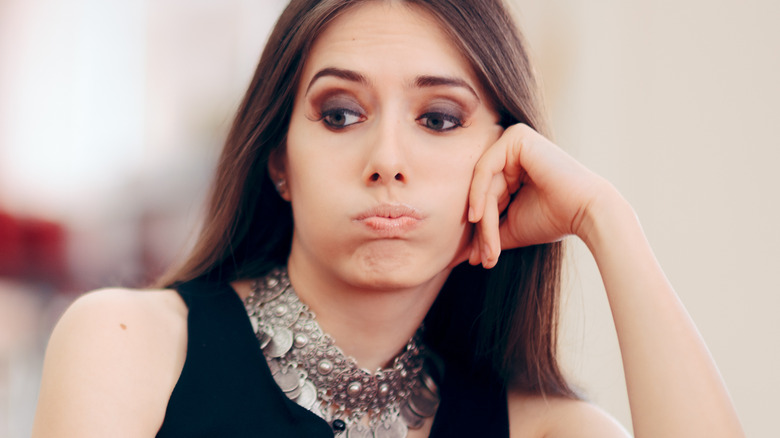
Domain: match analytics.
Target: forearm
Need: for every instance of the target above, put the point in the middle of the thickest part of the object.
(673, 385)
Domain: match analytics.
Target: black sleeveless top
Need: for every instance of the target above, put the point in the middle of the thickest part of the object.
(226, 389)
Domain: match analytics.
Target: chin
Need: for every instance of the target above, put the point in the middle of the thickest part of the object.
(393, 272)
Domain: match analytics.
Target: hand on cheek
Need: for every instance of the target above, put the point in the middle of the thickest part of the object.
(526, 191)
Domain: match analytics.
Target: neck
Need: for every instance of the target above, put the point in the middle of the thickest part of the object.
(370, 325)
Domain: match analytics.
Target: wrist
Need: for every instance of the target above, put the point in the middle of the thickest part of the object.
(605, 217)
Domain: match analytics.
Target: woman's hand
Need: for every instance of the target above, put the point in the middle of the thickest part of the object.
(527, 191)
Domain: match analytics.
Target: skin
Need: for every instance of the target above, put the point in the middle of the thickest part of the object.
(387, 154)
(108, 372)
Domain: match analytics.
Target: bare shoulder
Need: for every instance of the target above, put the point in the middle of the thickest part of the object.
(111, 364)
(535, 416)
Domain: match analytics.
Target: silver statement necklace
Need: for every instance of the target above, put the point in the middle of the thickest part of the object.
(312, 371)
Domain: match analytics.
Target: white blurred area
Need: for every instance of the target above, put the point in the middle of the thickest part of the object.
(112, 115)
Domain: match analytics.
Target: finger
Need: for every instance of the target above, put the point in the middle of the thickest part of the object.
(474, 253)
(491, 163)
(490, 245)
(509, 235)
(515, 138)
(503, 201)
(521, 217)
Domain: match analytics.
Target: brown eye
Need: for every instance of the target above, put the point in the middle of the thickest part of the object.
(339, 118)
(440, 122)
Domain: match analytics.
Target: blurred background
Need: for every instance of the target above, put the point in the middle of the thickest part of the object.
(112, 115)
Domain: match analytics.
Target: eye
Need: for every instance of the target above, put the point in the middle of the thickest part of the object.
(440, 122)
(339, 118)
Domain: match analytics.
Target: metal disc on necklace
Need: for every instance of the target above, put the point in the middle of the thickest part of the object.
(295, 393)
(281, 341)
(264, 339)
(359, 431)
(274, 367)
(394, 428)
(423, 402)
(255, 323)
(308, 395)
(271, 287)
(412, 419)
(287, 380)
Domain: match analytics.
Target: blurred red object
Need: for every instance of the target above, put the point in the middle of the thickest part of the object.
(32, 250)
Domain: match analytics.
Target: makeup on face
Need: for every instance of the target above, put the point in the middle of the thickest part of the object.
(386, 128)
(340, 98)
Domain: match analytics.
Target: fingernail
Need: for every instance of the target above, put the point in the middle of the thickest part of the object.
(485, 254)
(471, 214)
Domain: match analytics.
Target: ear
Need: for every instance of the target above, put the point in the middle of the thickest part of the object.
(277, 170)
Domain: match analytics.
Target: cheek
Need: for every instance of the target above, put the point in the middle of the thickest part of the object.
(454, 166)
(450, 179)
(314, 186)
(307, 163)
(455, 171)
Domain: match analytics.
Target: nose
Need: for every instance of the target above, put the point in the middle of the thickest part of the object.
(386, 163)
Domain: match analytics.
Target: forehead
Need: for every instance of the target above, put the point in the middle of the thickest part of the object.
(387, 40)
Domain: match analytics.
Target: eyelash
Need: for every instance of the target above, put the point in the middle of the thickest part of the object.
(345, 112)
(424, 120)
(454, 120)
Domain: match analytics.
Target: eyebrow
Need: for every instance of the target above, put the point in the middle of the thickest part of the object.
(427, 81)
(423, 81)
(347, 75)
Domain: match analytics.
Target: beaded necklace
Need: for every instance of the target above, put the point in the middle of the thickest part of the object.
(312, 371)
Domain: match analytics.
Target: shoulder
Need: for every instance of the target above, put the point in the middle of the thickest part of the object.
(103, 305)
(111, 364)
(534, 416)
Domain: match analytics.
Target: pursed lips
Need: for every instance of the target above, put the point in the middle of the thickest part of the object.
(390, 220)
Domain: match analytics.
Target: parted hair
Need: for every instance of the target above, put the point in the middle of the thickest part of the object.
(501, 323)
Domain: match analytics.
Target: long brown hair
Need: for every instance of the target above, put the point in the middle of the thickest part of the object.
(499, 324)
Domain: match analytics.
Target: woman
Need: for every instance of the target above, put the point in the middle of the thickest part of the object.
(380, 147)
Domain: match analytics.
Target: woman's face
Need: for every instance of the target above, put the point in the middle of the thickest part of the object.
(388, 123)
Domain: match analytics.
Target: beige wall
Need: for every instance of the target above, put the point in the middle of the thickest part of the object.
(678, 104)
